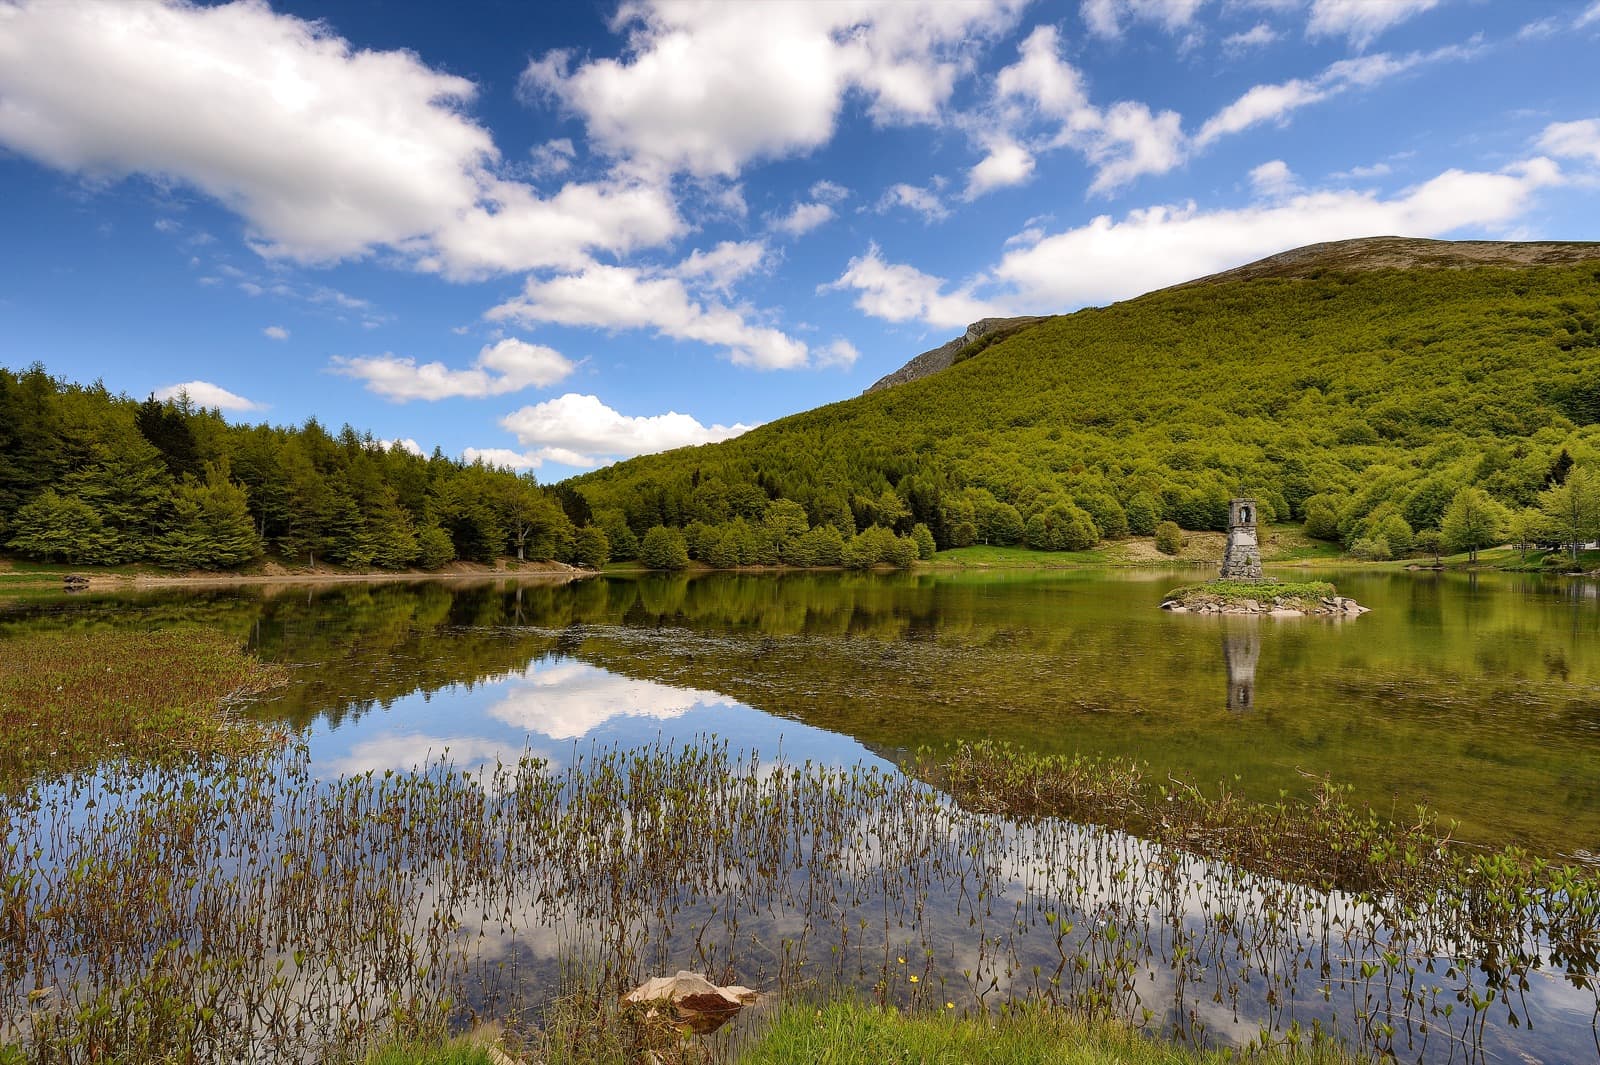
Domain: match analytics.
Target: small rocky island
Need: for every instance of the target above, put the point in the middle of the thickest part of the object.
(1243, 589)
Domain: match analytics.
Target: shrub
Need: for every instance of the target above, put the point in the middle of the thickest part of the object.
(664, 548)
(1169, 538)
(434, 548)
(1372, 548)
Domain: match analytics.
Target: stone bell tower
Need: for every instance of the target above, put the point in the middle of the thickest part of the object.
(1241, 559)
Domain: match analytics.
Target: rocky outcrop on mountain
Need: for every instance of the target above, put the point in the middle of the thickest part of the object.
(1405, 253)
(947, 355)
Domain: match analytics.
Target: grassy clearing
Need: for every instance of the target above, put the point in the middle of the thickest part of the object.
(70, 699)
(852, 1033)
(984, 555)
(1298, 593)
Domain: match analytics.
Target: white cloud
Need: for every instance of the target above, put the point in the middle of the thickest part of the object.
(1274, 180)
(405, 443)
(1122, 142)
(1361, 20)
(1105, 18)
(565, 700)
(1540, 29)
(1573, 140)
(1109, 260)
(1361, 173)
(326, 152)
(1275, 103)
(553, 157)
(508, 366)
(502, 456)
(583, 428)
(275, 332)
(900, 293)
(1258, 36)
(623, 297)
(1008, 163)
(1263, 103)
(1589, 17)
(803, 218)
(914, 198)
(723, 265)
(207, 395)
(840, 353)
(706, 88)
(826, 191)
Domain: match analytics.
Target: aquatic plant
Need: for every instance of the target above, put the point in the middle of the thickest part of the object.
(259, 912)
(72, 698)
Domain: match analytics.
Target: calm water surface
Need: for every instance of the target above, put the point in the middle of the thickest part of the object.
(1478, 695)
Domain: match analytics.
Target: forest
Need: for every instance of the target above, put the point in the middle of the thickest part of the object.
(88, 477)
(1395, 411)
(1362, 402)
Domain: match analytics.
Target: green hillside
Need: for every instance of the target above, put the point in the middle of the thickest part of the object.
(1351, 388)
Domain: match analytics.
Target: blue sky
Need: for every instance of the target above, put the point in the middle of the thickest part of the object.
(555, 235)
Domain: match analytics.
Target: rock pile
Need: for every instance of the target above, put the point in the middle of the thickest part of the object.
(1336, 606)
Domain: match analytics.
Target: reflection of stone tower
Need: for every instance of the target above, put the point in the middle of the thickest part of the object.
(1241, 650)
(1241, 559)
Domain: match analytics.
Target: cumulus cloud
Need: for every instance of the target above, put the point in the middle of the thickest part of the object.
(552, 157)
(1573, 140)
(326, 152)
(207, 395)
(508, 366)
(625, 297)
(707, 88)
(275, 332)
(503, 457)
(839, 353)
(803, 218)
(404, 443)
(1008, 163)
(1123, 141)
(1106, 18)
(581, 430)
(566, 700)
(923, 201)
(1108, 260)
(896, 292)
(1273, 180)
(1360, 21)
(724, 265)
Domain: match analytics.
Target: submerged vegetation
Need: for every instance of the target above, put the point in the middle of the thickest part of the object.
(260, 912)
(72, 699)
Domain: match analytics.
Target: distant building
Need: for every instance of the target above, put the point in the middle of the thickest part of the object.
(1241, 559)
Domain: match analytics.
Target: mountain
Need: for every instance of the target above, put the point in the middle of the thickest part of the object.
(979, 335)
(1359, 382)
(1364, 253)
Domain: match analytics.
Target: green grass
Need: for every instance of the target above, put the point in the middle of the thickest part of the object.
(981, 555)
(461, 1051)
(1228, 591)
(850, 1033)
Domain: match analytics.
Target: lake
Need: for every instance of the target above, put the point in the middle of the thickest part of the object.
(1476, 694)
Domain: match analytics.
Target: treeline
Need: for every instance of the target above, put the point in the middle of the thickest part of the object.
(91, 477)
(1353, 401)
